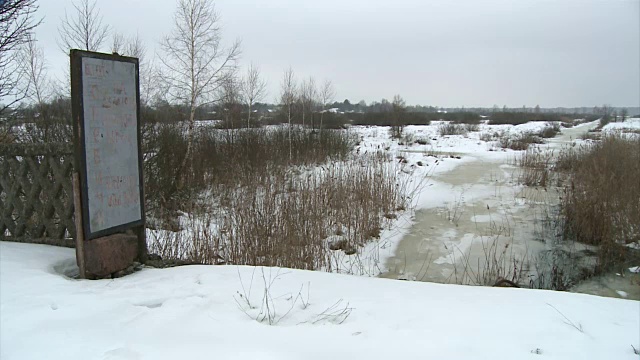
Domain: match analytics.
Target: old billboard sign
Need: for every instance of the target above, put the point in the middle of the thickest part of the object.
(105, 106)
(105, 96)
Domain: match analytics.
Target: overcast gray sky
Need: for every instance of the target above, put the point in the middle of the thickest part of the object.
(444, 53)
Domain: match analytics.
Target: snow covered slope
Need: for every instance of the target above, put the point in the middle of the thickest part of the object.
(220, 312)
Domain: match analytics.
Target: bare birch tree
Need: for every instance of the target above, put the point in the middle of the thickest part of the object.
(118, 43)
(605, 111)
(327, 93)
(35, 72)
(624, 113)
(17, 21)
(308, 95)
(254, 89)
(40, 90)
(288, 97)
(83, 29)
(134, 47)
(128, 46)
(230, 103)
(398, 107)
(195, 62)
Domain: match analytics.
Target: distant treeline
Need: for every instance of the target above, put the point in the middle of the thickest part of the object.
(383, 118)
(49, 115)
(463, 117)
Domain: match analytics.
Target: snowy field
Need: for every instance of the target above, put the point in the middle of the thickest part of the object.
(197, 312)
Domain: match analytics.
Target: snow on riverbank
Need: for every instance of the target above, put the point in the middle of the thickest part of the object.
(198, 312)
(424, 155)
(629, 124)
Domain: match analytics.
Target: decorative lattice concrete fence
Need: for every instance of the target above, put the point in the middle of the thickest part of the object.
(36, 195)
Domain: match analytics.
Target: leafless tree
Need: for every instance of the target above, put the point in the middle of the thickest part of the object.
(398, 108)
(17, 21)
(134, 47)
(254, 89)
(83, 29)
(308, 95)
(118, 43)
(605, 111)
(230, 103)
(35, 70)
(385, 105)
(128, 46)
(288, 97)
(327, 93)
(194, 61)
(51, 127)
(624, 113)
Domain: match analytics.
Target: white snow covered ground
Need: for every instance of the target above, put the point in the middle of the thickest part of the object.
(629, 124)
(200, 312)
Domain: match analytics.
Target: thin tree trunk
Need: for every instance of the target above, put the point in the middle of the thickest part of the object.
(249, 117)
(290, 143)
(187, 155)
(320, 132)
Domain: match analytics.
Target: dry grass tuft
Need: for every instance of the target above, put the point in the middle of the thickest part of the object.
(450, 128)
(520, 141)
(601, 204)
(535, 164)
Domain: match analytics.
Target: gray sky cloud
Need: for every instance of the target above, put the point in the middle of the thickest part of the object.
(446, 53)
